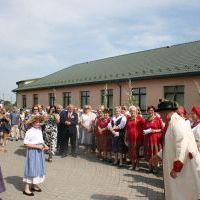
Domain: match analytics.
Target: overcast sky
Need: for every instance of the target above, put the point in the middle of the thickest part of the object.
(39, 37)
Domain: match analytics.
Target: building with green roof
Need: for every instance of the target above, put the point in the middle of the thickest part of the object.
(171, 72)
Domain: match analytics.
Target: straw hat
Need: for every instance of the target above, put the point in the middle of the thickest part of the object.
(36, 118)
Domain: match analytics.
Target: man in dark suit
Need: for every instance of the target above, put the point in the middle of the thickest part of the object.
(62, 132)
(71, 121)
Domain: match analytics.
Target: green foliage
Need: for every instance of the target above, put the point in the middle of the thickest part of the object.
(8, 105)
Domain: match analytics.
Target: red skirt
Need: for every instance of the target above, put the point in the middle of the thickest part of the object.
(152, 145)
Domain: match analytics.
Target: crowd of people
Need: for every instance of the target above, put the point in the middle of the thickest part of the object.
(125, 137)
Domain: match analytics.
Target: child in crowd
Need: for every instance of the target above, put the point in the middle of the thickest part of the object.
(35, 162)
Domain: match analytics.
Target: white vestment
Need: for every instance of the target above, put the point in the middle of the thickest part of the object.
(179, 142)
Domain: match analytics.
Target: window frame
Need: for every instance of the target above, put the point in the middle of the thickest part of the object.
(67, 97)
(24, 101)
(35, 99)
(52, 99)
(109, 95)
(175, 92)
(84, 98)
(140, 94)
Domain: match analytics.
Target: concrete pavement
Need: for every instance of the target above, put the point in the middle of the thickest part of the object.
(80, 178)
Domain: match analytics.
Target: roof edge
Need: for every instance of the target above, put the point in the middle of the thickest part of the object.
(113, 81)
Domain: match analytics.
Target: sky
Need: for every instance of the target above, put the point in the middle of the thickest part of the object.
(40, 37)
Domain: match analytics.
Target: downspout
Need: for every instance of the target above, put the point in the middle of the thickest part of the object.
(120, 93)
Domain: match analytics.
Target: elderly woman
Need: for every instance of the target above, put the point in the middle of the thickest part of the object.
(196, 124)
(134, 136)
(87, 127)
(153, 128)
(117, 128)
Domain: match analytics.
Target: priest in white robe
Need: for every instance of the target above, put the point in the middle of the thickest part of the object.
(180, 156)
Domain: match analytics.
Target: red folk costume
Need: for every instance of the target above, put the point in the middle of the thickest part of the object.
(152, 141)
(134, 129)
(101, 139)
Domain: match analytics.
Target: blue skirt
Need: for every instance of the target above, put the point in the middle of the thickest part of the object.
(35, 163)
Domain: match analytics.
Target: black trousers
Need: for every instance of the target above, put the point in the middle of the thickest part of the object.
(71, 135)
(63, 139)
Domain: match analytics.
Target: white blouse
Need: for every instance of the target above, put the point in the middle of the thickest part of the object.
(87, 119)
(122, 123)
(33, 136)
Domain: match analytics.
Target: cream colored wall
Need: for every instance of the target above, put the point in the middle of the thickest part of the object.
(154, 90)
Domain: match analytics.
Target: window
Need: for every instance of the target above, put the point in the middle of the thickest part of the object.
(35, 99)
(140, 97)
(85, 98)
(107, 99)
(174, 93)
(24, 101)
(51, 99)
(66, 99)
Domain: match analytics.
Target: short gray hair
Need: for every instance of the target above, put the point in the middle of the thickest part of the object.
(132, 107)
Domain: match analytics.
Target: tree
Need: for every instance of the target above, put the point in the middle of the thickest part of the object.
(131, 99)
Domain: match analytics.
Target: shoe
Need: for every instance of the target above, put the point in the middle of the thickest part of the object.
(155, 171)
(116, 162)
(132, 168)
(36, 190)
(74, 155)
(28, 194)
(120, 165)
(150, 171)
(63, 155)
(49, 160)
(137, 168)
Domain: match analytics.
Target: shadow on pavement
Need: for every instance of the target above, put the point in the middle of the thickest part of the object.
(16, 181)
(107, 197)
(91, 157)
(155, 182)
(21, 152)
(147, 192)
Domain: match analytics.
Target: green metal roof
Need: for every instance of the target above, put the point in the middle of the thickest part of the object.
(176, 60)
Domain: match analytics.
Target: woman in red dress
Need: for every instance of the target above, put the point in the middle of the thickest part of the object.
(134, 136)
(104, 134)
(153, 128)
(98, 136)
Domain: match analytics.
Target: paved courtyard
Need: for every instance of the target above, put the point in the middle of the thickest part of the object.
(80, 178)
